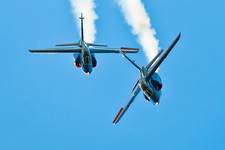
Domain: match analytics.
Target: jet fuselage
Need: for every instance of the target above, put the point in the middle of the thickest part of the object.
(85, 59)
(151, 88)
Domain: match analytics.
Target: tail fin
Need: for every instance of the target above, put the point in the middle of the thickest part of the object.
(82, 28)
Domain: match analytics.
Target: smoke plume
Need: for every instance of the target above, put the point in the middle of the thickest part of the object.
(87, 7)
(137, 17)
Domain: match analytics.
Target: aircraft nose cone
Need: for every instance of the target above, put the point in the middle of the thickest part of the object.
(87, 73)
(157, 104)
(87, 70)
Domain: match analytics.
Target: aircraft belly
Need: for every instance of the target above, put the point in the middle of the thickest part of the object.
(148, 92)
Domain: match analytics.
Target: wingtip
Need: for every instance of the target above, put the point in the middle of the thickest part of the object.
(114, 122)
(179, 35)
(117, 118)
(176, 39)
(58, 45)
(129, 48)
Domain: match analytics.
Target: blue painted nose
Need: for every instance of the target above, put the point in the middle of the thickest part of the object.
(87, 70)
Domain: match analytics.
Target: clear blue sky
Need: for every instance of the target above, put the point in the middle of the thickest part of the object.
(45, 103)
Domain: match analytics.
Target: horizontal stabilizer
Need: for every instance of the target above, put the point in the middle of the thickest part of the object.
(69, 44)
(99, 45)
(81, 16)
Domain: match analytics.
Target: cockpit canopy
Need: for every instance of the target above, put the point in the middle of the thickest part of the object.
(156, 81)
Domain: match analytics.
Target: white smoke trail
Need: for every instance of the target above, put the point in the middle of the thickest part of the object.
(137, 17)
(87, 7)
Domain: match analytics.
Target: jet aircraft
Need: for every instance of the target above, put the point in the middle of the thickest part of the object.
(149, 83)
(84, 53)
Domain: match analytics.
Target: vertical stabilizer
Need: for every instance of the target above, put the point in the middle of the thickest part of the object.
(82, 28)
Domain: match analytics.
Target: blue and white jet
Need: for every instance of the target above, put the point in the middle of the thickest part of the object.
(84, 53)
(149, 83)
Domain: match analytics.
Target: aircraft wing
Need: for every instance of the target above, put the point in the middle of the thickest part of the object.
(114, 50)
(122, 110)
(161, 58)
(56, 50)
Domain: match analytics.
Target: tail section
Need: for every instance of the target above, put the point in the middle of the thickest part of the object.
(82, 34)
(82, 28)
